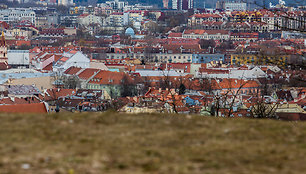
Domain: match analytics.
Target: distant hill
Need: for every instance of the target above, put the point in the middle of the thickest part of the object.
(149, 143)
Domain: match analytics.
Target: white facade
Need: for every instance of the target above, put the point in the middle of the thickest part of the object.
(134, 19)
(17, 14)
(175, 4)
(116, 4)
(18, 57)
(235, 6)
(115, 19)
(77, 60)
(65, 2)
(89, 19)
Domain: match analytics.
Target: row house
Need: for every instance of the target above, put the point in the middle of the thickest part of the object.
(250, 37)
(21, 33)
(207, 58)
(258, 59)
(211, 25)
(52, 32)
(245, 16)
(58, 32)
(247, 27)
(271, 19)
(294, 21)
(207, 34)
(198, 19)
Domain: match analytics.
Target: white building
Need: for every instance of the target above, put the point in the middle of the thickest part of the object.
(116, 4)
(206, 34)
(133, 18)
(182, 4)
(18, 58)
(87, 19)
(235, 6)
(65, 2)
(17, 14)
(115, 19)
(68, 60)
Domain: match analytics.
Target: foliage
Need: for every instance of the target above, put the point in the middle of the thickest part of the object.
(205, 44)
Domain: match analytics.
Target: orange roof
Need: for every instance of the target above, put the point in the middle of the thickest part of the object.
(87, 73)
(55, 93)
(64, 59)
(24, 108)
(175, 35)
(49, 67)
(108, 77)
(198, 31)
(72, 70)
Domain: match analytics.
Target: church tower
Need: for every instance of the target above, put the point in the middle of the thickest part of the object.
(3, 49)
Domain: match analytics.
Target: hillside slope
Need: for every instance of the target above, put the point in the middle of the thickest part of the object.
(92, 143)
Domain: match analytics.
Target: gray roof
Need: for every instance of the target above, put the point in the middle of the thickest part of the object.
(22, 90)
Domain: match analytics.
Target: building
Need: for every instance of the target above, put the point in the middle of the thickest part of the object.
(207, 58)
(133, 18)
(207, 34)
(115, 19)
(198, 19)
(17, 14)
(257, 59)
(231, 6)
(69, 59)
(18, 58)
(65, 2)
(182, 4)
(116, 4)
(87, 19)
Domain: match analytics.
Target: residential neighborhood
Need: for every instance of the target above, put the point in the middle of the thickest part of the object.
(232, 60)
(152, 87)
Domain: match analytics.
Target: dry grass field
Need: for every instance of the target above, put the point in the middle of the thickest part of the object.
(94, 143)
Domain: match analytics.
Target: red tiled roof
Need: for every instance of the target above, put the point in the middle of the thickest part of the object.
(49, 67)
(207, 15)
(24, 108)
(4, 25)
(108, 77)
(87, 73)
(199, 31)
(55, 93)
(6, 101)
(83, 15)
(4, 66)
(175, 35)
(72, 70)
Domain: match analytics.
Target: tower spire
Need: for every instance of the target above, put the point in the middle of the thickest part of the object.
(2, 42)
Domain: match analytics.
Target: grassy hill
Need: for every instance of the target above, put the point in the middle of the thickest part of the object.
(92, 143)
